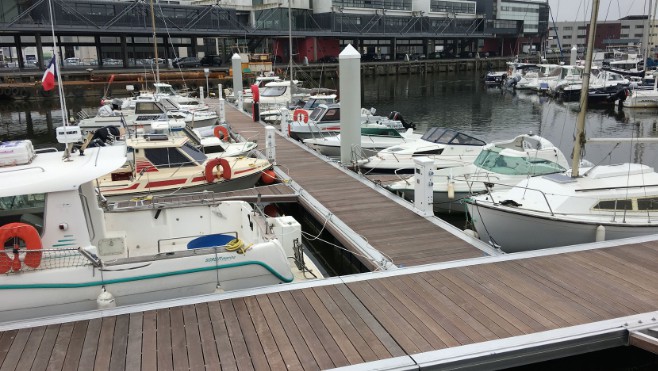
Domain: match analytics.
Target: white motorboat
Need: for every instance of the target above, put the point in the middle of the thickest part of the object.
(162, 164)
(72, 253)
(562, 77)
(530, 80)
(309, 104)
(324, 121)
(447, 147)
(499, 165)
(193, 117)
(642, 98)
(584, 205)
(605, 86)
(373, 140)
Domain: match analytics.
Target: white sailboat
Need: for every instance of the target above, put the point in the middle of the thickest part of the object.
(582, 205)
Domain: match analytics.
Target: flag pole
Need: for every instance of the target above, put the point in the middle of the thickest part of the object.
(60, 87)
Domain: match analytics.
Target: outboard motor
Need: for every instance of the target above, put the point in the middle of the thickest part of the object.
(395, 115)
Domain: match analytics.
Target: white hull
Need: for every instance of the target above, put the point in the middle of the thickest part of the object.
(49, 292)
(532, 231)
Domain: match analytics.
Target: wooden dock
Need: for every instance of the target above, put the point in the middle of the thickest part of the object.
(452, 307)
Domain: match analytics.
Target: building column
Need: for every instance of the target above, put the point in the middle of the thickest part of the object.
(19, 51)
(124, 51)
(394, 48)
(39, 46)
(99, 51)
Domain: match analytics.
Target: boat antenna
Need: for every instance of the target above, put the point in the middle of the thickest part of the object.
(156, 61)
(584, 90)
(648, 27)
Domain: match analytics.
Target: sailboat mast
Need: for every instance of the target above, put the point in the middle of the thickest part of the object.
(155, 48)
(647, 37)
(584, 92)
(292, 99)
(60, 86)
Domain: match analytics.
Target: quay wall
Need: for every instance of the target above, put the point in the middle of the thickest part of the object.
(26, 84)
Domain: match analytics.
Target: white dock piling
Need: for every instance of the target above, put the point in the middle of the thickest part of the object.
(236, 64)
(270, 143)
(221, 109)
(574, 56)
(285, 120)
(349, 65)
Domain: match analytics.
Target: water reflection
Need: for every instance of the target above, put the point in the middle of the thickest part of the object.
(458, 101)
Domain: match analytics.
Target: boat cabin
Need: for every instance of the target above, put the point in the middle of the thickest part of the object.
(324, 113)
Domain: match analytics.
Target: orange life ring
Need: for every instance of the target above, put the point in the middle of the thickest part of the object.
(300, 112)
(212, 164)
(32, 240)
(255, 94)
(220, 129)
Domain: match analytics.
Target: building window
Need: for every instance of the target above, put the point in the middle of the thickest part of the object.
(453, 6)
(568, 28)
(566, 37)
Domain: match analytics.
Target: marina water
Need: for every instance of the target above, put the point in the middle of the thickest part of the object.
(459, 101)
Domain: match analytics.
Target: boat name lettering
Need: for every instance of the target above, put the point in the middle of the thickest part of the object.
(220, 258)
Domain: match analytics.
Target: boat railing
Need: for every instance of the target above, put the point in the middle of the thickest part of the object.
(165, 201)
(548, 205)
(24, 260)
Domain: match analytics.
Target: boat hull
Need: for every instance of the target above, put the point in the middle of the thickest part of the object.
(513, 231)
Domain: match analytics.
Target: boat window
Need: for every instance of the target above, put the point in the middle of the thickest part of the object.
(147, 107)
(193, 152)
(169, 105)
(167, 157)
(333, 114)
(647, 203)
(273, 91)
(24, 209)
(316, 113)
(463, 139)
(434, 151)
(439, 135)
(614, 205)
(492, 160)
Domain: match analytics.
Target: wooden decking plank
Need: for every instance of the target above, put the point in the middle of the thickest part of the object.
(278, 333)
(270, 350)
(90, 345)
(413, 314)
(365, 349)
(458, 324)
(134, 345)
(238, 344)
(403, 333)
(16, 350)
(318, 326)
(149, 351)
(470, 302)
(193, 338)
(316, 347)
(45, 348)
(522, 320)
(327, 318)
(551, 302)
(614, 265)
(207, 338)
(58, 355)
(509, 295)
(224, 348)
(31, 348)
(306, 359)
(6, 339)
(254, 346)
(178, 348)
(567, 276)
(380, 340)
(105, 342)
(163, 340)
(74, 351)
(120, 343)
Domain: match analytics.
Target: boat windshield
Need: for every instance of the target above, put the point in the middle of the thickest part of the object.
(314, 102)
(499, 161)
(273, 91)
(316, 113)
(449, 136)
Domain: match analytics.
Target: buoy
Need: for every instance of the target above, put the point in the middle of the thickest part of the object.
(451, 190)
(600, 233)
(268, 177)
(271, 210)
(471, 233)
(105, 300)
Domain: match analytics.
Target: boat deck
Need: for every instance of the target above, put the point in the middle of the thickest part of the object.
(476, 311)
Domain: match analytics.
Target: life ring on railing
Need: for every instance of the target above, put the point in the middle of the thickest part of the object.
(300, 112)
(220, 129)
(32, 240)
(212, 164)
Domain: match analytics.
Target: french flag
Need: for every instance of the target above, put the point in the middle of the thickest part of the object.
(48, 80)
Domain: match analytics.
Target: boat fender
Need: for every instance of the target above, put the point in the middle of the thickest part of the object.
(221, 133)
(451, 190)
(471, 233)
(600, 233)
(217, 162)
(105, 300)
(300, 115)
(268, 177)
(30, 237)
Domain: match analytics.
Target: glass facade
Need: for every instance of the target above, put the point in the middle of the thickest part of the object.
(467, 7)
(526, 12)
(375, 4)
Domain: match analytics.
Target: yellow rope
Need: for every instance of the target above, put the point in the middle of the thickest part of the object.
(237, 245)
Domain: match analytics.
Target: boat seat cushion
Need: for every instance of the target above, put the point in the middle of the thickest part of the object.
(210, 241)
